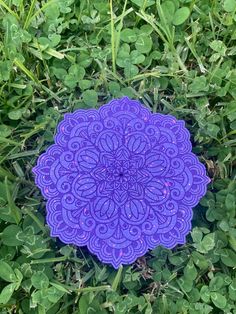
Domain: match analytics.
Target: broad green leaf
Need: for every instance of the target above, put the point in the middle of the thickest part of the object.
(40, 280)
(40, 297)
(55, 39)
(208, 242)
(128, 35)
(7, 292)
(143, 44)
(9, 235)
(194, 295)
(212, 129)
(199, 84)
(85, 84)
(230, 201)
(114, 87)
(6, 272)
(5, 70)
(181, 15)
(44, 42)
(16, 2)
(70, 81)
(15, 114)
(35, 247)
(19, 278)
(229, 5)
(218, 46)
(130, 70)
(156, 55)
(83, 303)
(218, 299)
(76, 73)
(84, 59)
(145, 30)
(186, 283)
(54, 295)
(60, 73)
(7, 253)
(5, 130)
(232, 290)
(190, 270)
(60, 287)
(216, 283)
(123, 56)
(90, 97)
(66, 250)
(142, 3)
(127, 91)
(177, 260)
(205, 293)
(136, 57)
(228, 257)
(232, 238)
(65, 6)
(196, 234)
(224, 225)
(168, 9)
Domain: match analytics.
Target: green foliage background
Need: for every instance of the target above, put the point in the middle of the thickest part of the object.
(176, 57)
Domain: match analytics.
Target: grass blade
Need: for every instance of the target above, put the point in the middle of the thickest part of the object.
(113, 39)
(28, 18)
(117, 279)
(15, 212)
(92, 289)
(3, 4)
(20, 65)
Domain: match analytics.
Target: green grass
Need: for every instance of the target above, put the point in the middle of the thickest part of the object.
(176, 57)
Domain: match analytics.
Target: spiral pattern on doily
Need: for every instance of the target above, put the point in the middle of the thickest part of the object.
(120, 180)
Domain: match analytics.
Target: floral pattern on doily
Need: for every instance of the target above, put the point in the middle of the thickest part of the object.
(120, 180)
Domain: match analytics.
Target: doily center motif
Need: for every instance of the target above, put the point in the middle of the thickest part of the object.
(120, 180)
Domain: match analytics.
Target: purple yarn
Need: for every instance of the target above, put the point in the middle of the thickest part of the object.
(120, 180)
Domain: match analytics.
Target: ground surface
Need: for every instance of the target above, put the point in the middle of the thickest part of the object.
(177, 57)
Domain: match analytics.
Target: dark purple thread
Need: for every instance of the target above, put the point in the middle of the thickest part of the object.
(120, 180)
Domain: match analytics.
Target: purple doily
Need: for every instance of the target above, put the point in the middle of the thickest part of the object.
(120, 180)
